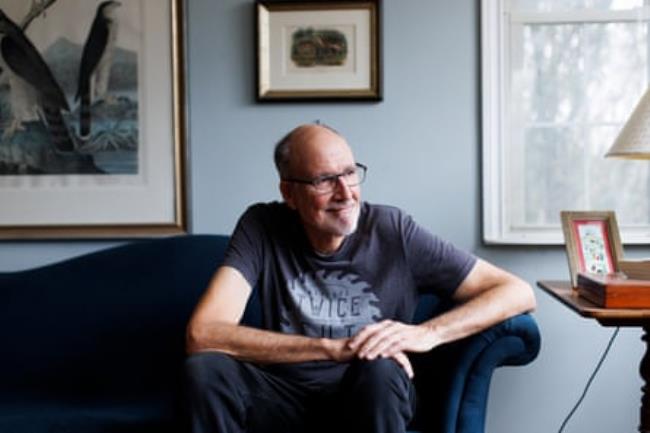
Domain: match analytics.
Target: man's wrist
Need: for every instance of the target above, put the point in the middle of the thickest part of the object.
(335, 349)
(328, 347)
(432, 334)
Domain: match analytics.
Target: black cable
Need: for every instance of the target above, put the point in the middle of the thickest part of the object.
(591, 379)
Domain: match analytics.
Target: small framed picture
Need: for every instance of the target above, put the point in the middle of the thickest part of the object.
(318, 50)
(593, 243)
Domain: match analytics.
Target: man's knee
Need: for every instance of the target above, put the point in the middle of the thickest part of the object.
(213, 387)
(210, 369)
(380, 375)
(382, 392)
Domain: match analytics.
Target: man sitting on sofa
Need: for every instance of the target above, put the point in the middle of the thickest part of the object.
(338, 281)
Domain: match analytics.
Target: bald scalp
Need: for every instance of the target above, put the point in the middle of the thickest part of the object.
(288, 144)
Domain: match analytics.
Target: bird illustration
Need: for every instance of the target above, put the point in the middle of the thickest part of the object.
(96, 61)
(34, 92)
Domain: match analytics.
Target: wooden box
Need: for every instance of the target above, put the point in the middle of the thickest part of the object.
(614, 290)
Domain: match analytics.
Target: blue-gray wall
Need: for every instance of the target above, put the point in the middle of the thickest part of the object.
(422, 145)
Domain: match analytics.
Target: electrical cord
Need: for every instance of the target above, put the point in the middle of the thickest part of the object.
(591, 379)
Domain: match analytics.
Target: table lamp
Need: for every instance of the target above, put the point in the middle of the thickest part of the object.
(633, 142)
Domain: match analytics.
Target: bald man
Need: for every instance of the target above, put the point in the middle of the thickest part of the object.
(338, 280)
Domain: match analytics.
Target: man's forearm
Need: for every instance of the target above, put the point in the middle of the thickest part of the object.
(486, 297)
(256, 345)
(485, 310)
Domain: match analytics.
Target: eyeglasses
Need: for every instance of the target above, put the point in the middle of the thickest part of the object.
(325, 184)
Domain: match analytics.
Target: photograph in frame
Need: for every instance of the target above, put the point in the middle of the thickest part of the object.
(318, 50)
(92, 121)
(592, 242)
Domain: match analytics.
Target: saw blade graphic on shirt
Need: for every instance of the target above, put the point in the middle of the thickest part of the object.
(333, 305)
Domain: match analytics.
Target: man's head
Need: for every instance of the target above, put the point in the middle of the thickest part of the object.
(316, 168)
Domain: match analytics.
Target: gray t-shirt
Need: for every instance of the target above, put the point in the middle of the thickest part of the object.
(376, 274)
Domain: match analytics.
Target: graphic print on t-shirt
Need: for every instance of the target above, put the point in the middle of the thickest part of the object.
(330, 304)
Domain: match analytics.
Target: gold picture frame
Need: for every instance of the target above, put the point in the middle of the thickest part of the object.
(316, 50)
(146, 194)
(593, 243)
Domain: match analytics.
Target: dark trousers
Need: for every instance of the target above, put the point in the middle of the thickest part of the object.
(230, 396)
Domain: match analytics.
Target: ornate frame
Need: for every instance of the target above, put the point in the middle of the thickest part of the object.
(157, 203)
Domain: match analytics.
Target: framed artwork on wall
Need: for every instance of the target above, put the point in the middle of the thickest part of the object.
(92, 119)
(592, 241)
(317, 50)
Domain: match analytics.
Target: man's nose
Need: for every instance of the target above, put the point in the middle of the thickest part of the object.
(342, 190)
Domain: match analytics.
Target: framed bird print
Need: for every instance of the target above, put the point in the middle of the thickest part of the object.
(92, 119)
(318, 50)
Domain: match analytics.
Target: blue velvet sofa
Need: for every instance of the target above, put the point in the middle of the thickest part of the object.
(95, 344)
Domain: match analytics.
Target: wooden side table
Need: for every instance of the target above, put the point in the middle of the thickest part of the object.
(562, 291)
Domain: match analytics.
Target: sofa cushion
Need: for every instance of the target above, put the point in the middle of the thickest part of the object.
(61, 416)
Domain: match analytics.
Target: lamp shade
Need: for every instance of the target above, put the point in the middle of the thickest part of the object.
(633, 141)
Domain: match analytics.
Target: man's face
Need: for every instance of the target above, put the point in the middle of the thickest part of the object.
(327, 217)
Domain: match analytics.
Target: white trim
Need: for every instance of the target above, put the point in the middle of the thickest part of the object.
(581, 16)
(492, 114)
(494, 103)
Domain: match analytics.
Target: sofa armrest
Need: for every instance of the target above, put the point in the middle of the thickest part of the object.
(453, 380)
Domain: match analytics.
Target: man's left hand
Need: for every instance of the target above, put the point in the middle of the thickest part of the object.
(388, 338)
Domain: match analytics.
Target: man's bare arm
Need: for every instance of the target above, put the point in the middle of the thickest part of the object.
(214, 326)
(487, 296)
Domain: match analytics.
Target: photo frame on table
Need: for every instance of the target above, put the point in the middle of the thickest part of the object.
(592, 241)
(318, 50)
(101, 153)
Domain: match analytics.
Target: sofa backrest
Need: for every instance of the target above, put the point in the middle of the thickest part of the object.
(105, 321)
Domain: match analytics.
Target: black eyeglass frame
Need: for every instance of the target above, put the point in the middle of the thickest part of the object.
(335, 177)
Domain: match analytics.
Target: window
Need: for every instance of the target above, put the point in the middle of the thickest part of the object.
(560, 78)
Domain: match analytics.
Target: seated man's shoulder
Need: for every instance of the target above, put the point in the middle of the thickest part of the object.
(265, 209)
(268, 216)
(385, 213)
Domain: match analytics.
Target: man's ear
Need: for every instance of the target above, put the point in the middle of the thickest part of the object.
(287, 193)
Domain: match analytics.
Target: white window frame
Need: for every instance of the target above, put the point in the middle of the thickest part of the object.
(495, 97)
